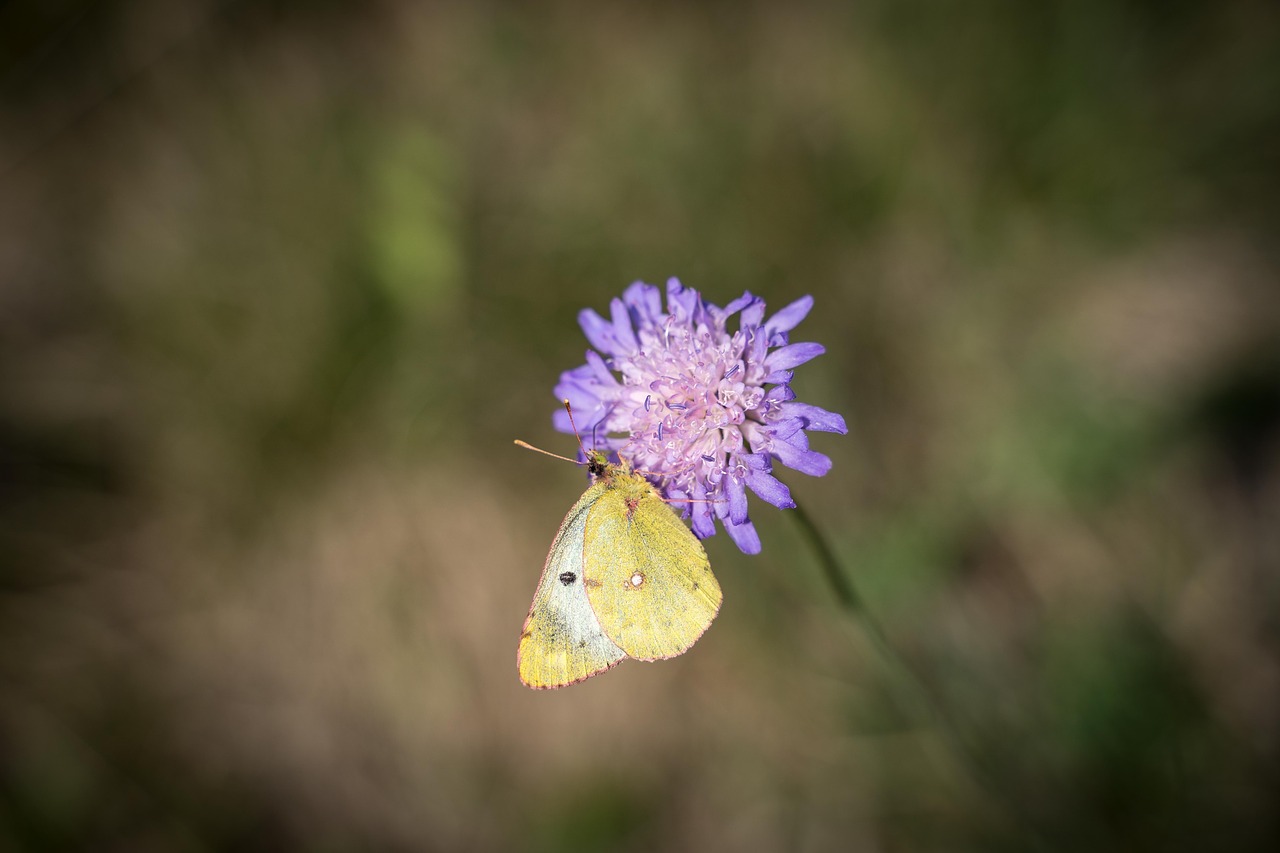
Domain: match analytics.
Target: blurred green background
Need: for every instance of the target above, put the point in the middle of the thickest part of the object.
(281, 281)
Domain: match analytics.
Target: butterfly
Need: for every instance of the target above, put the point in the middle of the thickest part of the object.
(624, 579)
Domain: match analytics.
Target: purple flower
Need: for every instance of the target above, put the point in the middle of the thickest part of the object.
(704, 410)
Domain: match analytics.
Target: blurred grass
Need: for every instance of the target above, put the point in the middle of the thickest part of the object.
(280, 282)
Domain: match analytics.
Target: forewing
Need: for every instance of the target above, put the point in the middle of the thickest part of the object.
(562, 642)
(648, 577)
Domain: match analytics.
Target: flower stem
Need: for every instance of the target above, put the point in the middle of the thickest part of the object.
(854, 604)
(843, 588)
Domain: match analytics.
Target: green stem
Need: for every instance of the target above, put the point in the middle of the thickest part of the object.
(843, 588)
(854, 604)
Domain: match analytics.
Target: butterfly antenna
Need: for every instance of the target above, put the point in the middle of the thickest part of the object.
(569, 411)
(527, 446)
(539, 450)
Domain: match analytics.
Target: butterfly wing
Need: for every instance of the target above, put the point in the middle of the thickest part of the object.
(562, 642)
(648, 578)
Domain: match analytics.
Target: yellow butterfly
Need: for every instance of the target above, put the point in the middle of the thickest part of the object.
(624, 579)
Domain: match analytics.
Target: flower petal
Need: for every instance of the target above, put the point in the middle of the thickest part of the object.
(587, 418)
(770, 407)
(752, 315)
(582, 393)
(598, 330)
(645, 302)
(780, 394)
(786, 429)
(580, 375)
(600, 370)
(737, 495)
(622, 331)
(815, 418)
(737, 305)
(788, 318)
(704, 525)
(805, 461)
(682, 301)
(770, 489)
(744, 536)
(678, 501)
(582, 398)
(793, 355)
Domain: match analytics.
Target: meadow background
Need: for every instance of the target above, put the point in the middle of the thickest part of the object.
(280, 282)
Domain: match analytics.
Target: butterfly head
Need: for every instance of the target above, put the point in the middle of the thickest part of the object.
(598, 464)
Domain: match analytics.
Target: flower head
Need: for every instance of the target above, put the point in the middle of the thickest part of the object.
(704, 410)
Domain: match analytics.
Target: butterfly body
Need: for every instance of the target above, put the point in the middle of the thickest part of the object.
(624, 578)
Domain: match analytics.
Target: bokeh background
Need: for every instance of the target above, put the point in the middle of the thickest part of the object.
(281, 281)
